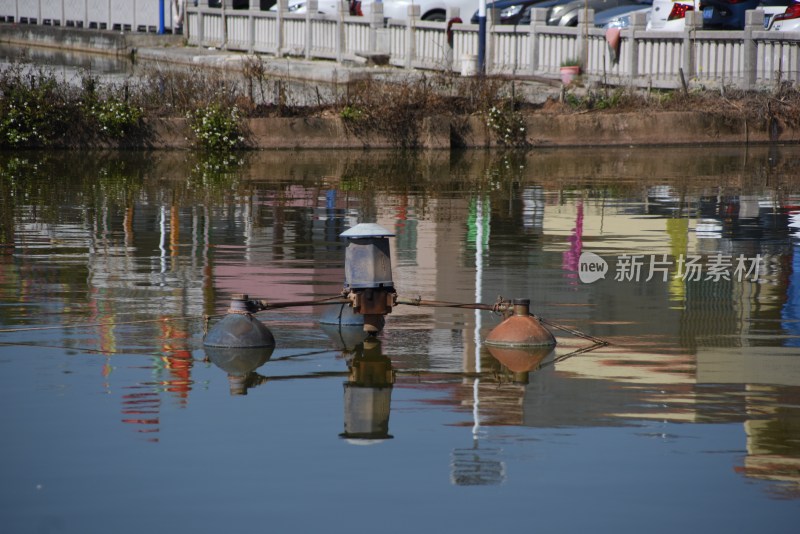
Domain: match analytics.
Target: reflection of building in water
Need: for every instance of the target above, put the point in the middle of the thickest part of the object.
(772, 445)
(790, 313)
(428, 256)
(652, 372)
(770, 412)
(290, 241)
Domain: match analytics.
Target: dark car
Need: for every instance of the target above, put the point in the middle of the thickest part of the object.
(620, 16)
(729, 14)
(264, 5)
(566, 12)
(514, 11)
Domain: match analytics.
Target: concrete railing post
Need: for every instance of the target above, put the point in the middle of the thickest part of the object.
(63, 21)
(377, 33)
(282, 7)
(109, 22)
(638, 25)
(694, 22)
(201, 31)
(538, 20)
(411, 39)
(341, 36)
(585, 21)
(312, 7)
(753, 21)
(453, 13)
(492, 18)
(252, 9)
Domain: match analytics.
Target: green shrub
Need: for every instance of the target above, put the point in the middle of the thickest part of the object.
(216, 128)
(116, 118)
(507, 125)
(34, 107)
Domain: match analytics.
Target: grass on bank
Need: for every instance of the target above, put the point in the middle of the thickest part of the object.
(39, 109)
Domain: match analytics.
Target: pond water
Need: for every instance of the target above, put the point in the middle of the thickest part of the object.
(685, 261)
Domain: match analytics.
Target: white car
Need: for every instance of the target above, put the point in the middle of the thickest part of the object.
(788, 21)
(430, 10)
(670, 15)
(326, 7)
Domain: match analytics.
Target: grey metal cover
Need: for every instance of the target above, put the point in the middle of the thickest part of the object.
(366, 230)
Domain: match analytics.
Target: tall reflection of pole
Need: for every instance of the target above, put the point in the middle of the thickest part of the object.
(162, 242)
(478, 297)
(474, 466)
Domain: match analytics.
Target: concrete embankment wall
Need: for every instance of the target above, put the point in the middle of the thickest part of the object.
(543, 130)
(606, 128)
(77, 40)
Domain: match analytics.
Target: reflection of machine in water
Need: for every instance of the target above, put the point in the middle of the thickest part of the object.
(368, 393)
(477, 466)
(519, 362)
(240, 364)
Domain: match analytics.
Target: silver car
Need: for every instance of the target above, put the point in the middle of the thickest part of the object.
(566, 13)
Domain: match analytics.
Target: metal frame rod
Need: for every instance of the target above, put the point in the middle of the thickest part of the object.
(500, 306)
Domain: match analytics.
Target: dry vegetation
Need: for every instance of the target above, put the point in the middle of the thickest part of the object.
(49, 111)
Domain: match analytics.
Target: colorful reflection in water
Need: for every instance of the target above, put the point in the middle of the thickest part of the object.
(113, 264)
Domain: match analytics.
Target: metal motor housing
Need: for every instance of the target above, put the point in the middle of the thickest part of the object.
(367, 262)
(368, 273)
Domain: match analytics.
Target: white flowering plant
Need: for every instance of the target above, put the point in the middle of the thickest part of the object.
(15, 128)
(217, 128)
(28, 118)
(115, 118)
(508, 126)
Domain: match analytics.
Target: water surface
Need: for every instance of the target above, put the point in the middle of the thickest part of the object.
(118, 419)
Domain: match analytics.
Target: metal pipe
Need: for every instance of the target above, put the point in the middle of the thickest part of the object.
(500, 306)
(266, 305)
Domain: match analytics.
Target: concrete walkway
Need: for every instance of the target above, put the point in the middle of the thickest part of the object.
(171, 49)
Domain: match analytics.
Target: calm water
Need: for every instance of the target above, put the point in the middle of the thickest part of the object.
(117, 420)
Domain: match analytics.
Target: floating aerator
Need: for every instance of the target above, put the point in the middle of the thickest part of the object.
(520, 330)
(239, 329)
(368, 273)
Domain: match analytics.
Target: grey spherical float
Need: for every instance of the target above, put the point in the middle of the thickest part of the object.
(239, 329)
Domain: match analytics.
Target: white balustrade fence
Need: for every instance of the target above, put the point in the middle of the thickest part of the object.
(747, 59)
(124, 15)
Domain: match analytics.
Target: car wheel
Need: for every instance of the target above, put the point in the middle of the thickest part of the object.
(435, 16)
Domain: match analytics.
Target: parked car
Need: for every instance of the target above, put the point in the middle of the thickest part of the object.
(620, 17)
(788, 21)
(730, 14)
(264, 5)
(668, 15)
(513, 11)
(566, 13)
(326, 7)
(430, 10)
